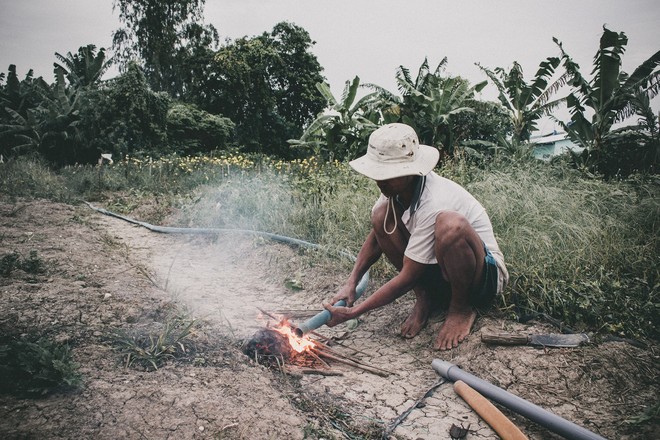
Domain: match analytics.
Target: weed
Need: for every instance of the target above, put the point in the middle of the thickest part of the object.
(150, 351)
(33, 265)
(27, 177)
(8, 263)
(329, 415)
(651, 414)
(36, 368)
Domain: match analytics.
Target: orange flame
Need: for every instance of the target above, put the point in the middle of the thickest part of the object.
(298, 344)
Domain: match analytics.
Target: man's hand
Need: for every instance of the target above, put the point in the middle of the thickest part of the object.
(338, 314)
(347, 293)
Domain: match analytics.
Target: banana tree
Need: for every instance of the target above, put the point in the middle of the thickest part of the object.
(341, 131)
(49, 128)
(85, 68)
(527, 102)
(611, 93)
(432, 109)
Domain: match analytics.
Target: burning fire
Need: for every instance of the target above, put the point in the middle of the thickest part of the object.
(298, 344)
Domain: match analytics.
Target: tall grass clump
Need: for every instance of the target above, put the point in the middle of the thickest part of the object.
(324, 203)
(577, 248)
(32, 178)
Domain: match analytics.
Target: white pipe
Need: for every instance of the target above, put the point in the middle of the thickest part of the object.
(527, 409)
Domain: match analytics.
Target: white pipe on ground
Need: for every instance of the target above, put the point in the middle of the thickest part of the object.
(527, 409)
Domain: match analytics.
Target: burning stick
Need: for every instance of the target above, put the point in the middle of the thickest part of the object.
(322, 348)
(318, 358)
(354, 364)
(282, 342)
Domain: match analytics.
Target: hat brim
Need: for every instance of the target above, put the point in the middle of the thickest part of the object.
(426, 160)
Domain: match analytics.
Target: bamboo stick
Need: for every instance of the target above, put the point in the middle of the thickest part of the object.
(318, 358)
(354, 364)
(329, 350)
(354, 350)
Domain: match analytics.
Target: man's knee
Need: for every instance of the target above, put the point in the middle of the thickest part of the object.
(450, 227)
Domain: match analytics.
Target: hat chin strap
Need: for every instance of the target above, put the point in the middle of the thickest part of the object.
(390, 201)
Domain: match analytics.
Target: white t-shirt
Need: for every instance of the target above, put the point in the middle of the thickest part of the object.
(440, 195)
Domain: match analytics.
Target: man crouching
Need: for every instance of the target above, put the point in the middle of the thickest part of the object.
(436, 234)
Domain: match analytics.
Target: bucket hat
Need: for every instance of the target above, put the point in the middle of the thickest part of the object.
(394, 151)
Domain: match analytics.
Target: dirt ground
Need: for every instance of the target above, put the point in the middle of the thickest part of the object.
(104, 275)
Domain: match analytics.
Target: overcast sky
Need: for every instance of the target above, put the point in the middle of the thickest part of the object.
(369, 39)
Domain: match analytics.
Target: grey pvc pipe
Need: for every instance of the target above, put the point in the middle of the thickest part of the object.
(321, 318)
(527, 409)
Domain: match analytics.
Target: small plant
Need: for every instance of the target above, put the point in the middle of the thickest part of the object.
(8, 263)
(152, 350)
(36, 368)
(33, 264)
(11, 261)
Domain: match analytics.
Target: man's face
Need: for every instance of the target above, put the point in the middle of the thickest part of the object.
(396, 186)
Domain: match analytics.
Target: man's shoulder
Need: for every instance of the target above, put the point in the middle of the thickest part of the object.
(433, 179)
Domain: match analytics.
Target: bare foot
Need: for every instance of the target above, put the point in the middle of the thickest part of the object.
(455, 328)
(416, 321)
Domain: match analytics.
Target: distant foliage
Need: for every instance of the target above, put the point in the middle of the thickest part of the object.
(193, 131)
(266, 86)
(127, 117)
(167, 37)
(342, 131)
(85, 68)
(526, 102)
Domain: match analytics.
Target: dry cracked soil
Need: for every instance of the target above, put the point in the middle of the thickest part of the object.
(106, 277)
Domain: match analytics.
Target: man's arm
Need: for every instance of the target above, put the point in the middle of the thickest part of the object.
(397, 286)
(369, 253)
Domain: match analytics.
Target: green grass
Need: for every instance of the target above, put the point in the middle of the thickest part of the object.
(32, 265)
(34, 367)
(149, 350)
(578, 248)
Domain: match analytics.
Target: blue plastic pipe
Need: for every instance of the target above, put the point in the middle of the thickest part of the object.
(527, 409)
(321, 318)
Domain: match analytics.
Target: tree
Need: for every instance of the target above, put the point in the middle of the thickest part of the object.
(612, 95)
(487, 123)
(432, 102)
(85, 68)
(527, 102)
(125, 117)
(266, 85)
(341, 131)
(194, 62)
(193, 131)
(46, 124)
(438, 108)
(163, 34)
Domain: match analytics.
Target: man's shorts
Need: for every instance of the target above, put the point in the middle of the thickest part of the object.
(483, 297)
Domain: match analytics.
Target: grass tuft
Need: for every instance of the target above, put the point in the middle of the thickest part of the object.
(151, 350)
(36, 368)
